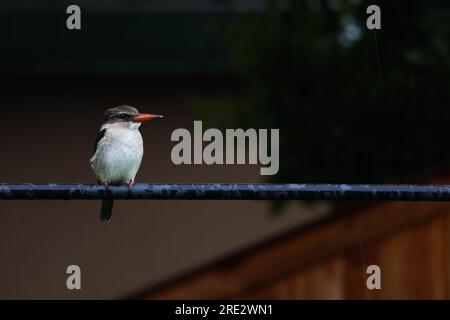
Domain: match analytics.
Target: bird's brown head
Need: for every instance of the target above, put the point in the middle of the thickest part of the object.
(127, 114)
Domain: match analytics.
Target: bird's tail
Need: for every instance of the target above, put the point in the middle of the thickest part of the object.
(106, 210)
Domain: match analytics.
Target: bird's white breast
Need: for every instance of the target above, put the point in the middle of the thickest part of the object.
(118, 155)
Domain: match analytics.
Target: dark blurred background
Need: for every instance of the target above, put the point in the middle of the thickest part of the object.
(353, 105)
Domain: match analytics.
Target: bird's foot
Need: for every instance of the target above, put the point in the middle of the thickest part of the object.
(106, 184)
(130, 185)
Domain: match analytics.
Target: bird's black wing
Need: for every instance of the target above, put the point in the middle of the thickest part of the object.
(100, 135)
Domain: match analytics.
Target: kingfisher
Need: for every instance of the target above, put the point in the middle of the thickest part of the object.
(118, 150)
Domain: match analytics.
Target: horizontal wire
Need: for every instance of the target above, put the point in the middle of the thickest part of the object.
(226, 191)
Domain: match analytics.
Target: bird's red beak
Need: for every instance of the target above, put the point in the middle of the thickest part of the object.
(146, 117)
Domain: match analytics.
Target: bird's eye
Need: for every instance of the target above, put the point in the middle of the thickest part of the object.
(122, 116)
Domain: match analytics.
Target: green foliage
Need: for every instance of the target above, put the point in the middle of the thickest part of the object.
(352, 104)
